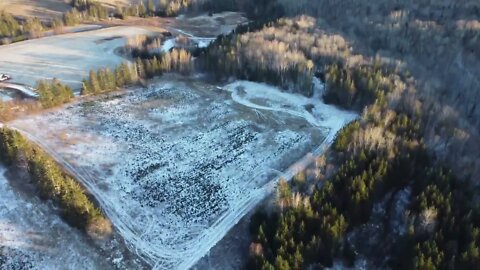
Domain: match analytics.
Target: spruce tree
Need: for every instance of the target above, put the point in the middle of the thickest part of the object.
(94, 84)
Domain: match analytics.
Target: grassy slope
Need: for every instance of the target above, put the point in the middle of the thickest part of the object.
(47, 9)
(44, 9)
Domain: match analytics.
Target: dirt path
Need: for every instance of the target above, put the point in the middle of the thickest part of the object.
(25, 90)
(32, 233)
(217, 231)
(158, 255)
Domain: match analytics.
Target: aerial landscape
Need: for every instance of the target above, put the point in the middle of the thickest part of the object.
(239, 134)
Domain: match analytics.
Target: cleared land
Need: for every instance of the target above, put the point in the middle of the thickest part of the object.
(175, 166)
(66, 57)
(70, 57)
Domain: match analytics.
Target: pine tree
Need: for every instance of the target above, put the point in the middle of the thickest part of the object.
(110, 78)
(94, 84)
(102, 80)
(151, 8)
(86, 87)
(141, 10)
(119, 77)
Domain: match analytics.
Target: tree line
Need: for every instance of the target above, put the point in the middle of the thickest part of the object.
(105, 80)
(151, 8)
(52, 183)
(90, 9)
(278, 53)
(14, 30)
(53, 93)
(358, 86)
(286, 53)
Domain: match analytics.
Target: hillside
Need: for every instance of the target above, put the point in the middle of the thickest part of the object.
(43, 9)
(48, 9)
(437, 41)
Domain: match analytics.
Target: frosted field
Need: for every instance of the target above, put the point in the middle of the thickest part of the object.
(67, 57)
(32, 236)
(176, 165)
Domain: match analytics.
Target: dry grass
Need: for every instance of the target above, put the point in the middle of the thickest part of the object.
(100, 228)
(48, 9)
(43, 9)
(201, 26)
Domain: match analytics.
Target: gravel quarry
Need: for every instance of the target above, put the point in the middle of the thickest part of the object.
(178, 164)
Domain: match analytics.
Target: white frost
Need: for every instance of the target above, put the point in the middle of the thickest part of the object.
(32, 235)
(177, 165)
(168, 45)
(24, 89)
(67, 57)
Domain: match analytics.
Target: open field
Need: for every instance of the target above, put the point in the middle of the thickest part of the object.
(202, 26)
(43, 9)
(67, 57)
(175, 166)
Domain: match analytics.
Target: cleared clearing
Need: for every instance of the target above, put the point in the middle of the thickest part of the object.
(66, 57)
(69, 57)
(175, 166)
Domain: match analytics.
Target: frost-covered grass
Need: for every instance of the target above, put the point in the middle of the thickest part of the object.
(32, 235)
(66, 57)
(176, 165)
(6, 95)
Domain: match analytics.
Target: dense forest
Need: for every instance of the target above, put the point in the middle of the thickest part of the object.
(380, 157)
(434, 41)
(52, 182)
(286, 53)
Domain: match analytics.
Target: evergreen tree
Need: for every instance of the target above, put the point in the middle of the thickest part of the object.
(151, 8)
(94, 83)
